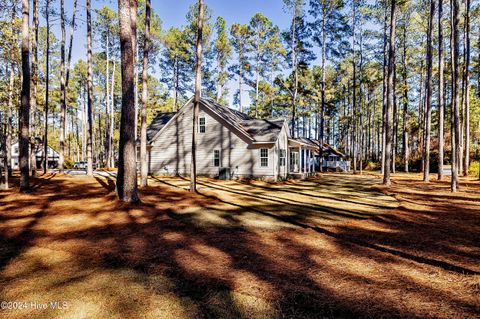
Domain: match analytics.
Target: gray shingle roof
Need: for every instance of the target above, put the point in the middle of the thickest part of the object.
(263, 130)
(259, 130)
(158, 123)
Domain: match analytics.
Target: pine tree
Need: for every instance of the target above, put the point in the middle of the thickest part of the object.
(127, 170)
(24, 114)
(223, 52)
(143, 130)
(240, 35)
(196, 101)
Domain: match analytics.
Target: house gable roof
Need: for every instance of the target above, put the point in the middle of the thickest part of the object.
(158, 123)
(255, 130)
(264, 131)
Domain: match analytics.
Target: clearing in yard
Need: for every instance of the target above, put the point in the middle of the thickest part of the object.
(333, 246)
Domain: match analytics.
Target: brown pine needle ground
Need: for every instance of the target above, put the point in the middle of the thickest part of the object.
(334, 246)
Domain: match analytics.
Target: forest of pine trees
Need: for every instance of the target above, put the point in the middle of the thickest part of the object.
(395, 85)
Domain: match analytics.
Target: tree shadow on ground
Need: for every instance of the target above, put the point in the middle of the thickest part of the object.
(159, 259)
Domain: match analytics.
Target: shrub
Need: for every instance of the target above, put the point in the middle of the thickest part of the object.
(474, 168)
(415, 164)
(372, 166)
(68, 164)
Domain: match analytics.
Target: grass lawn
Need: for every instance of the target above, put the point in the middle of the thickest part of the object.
(333, 246)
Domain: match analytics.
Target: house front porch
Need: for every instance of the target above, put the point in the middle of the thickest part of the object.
(302, 158)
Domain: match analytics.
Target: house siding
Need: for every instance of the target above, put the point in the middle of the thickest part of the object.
(171, 150)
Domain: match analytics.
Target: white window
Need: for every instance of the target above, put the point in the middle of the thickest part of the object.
(264, 157)
(201, 125)
(281, 157)
(216, 158)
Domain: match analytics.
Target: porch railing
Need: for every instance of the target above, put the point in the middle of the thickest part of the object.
(344, 165)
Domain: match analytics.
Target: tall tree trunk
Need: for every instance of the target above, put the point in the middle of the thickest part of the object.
(295, 71)
(384, 91)
(70, 44)
(133, 15)
(4, 167)
(257, 81)
(24, 114)
(322, 110)
(455, 118)
(390, 95)
(395, 121)
(33, 97)
(354, 96)
(361, 128)
(84, 122)
(112, 115)
(466, 80)
(196, 102)
(9, 128)
(143, 130)
(11, 83)
(441, 91)
(107, 102)
(63, 92)
(420, 110)
(47, 89)
(240, 77)
(127, 171)
(89, 91)
(406, 151)
(428, 95)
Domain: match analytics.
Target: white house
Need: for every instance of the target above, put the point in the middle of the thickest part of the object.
(53, 157)
(229, 144)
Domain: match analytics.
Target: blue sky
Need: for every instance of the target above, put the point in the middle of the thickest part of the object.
(173, 13)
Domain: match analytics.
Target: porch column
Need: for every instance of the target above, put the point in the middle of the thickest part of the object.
(308, 161)
(304, 160)
(300, 159)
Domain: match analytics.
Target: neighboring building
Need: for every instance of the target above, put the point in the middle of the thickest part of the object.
(230, 144)
(53, 157)
(331, 159)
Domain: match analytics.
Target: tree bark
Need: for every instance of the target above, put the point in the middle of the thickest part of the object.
(70, 44)
(133, 17)
(107, 102)
(143, 130)
(354, 96)
(295, 71)
(47, 89)
(384, 92)
(428, 96)
(406, 151)
(390, 95)
(9, 128)
(395, 121)
(127, 172)
(33, 97)
(63, 92)
(10, 107)
(466, 80)
(441, 91)
(112, 115)
(455, 118)
(24, 114)
(196, 102)
(89, 91)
